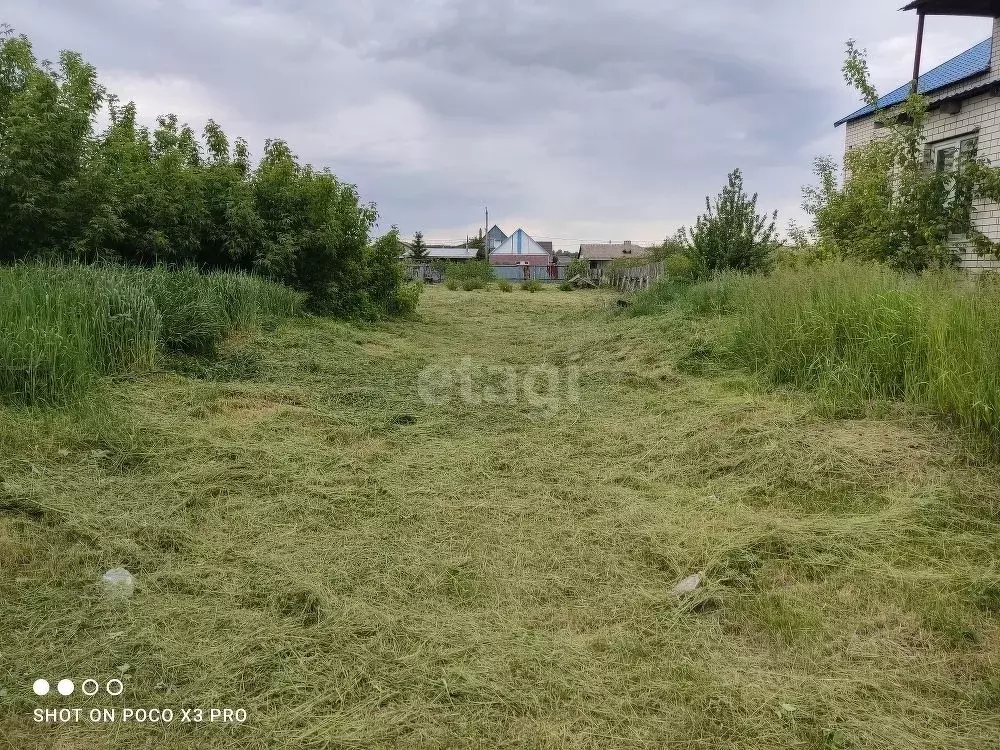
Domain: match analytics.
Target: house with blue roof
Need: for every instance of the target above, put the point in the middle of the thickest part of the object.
(964, 95)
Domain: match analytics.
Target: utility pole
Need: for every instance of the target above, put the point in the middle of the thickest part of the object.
(916, 55)
(486, 242)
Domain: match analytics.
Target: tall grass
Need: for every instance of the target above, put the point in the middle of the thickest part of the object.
(63, 325)
(863, 332)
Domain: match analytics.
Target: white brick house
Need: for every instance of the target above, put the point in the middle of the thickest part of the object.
(965, 109)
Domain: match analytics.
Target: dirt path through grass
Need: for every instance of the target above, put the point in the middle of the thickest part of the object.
(317, 543)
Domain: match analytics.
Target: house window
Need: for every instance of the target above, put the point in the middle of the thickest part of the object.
(945, 154)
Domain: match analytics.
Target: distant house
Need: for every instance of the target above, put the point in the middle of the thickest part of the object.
(495, 238)
(600, 255)
(520, 249)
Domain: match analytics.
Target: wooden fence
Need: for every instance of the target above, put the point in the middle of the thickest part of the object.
(636, 278)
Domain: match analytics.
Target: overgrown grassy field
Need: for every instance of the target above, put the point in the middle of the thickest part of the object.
(858, 335)
(358, 566)
(63, 325)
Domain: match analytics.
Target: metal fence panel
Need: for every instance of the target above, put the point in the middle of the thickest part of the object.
(434, 274)
(534, 273)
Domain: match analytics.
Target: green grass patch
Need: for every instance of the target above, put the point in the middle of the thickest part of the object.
(859, 334)
(61, 326)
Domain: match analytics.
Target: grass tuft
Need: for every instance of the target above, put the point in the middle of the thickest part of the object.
(532, 286)
(62, 326)
(859, 334)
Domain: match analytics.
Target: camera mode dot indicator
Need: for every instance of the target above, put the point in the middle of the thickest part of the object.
(65, 687)
(41, 687)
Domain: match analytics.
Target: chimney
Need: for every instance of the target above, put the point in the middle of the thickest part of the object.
(628, 242)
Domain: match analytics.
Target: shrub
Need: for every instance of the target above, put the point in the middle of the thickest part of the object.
(480, 270)
(615, 267)
(679, 267)
(408, 298)
(505, 286)
(167, 197)
(676, 245)
(532, 286)
(452, 284)
(795, 257)
(730, 235)
(565, 286)
(578, 267)
(386, 290)
(471, 284)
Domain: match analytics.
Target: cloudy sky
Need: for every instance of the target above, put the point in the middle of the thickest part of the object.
(580, 120)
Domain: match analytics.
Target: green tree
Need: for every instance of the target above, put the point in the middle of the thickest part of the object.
(418, 250)
(46, 146)
(894, 204)
(479, 243)
(731, 234)
(167, 196)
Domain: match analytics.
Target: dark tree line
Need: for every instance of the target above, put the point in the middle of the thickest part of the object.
(165, 196)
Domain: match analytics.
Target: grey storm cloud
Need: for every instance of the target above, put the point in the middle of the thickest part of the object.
(604, 46)
(581, 119)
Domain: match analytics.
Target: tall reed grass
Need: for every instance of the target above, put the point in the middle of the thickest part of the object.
(856, 331)
(63, 325)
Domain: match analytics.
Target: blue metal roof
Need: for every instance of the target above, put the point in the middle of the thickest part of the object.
(970, 63)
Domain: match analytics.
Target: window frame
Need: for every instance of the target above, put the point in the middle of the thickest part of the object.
(934, 151)
(955, 142)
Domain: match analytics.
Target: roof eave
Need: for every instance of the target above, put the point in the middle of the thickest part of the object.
(959, 95)
(981, 8)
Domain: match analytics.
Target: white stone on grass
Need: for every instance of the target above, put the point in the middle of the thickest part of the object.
(118, 582)
(689, 585)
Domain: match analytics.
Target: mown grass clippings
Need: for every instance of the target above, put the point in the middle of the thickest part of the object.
(485, 577)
